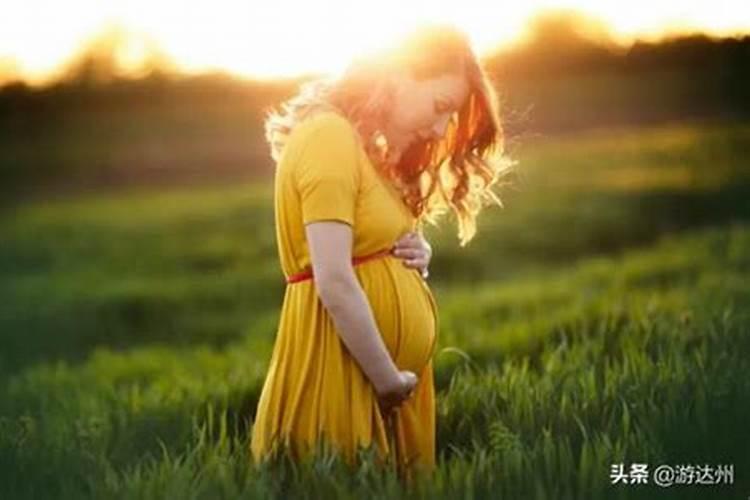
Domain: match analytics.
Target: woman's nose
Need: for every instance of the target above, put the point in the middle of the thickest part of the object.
(425, 134)
(438, 130)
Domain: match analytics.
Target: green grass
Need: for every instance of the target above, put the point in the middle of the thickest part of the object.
(601, 317)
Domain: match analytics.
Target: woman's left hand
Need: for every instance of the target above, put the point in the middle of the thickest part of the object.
(415, 250)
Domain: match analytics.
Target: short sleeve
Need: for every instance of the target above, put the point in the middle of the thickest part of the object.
(327, 174)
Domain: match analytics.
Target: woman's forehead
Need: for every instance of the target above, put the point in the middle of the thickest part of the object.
(451, 86)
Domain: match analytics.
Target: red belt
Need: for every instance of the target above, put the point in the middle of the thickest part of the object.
(307, 274)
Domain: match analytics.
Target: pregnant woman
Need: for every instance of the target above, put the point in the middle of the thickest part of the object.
(362, 161)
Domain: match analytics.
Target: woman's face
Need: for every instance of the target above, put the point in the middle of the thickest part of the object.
(423, 109)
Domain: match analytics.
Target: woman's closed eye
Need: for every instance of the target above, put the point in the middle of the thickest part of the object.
(441, 107)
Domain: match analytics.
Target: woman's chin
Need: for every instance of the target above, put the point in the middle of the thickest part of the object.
(394, 155)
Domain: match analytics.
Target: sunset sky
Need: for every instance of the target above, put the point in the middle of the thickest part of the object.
(286, 37)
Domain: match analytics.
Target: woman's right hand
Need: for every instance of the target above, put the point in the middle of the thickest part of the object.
(392, 396)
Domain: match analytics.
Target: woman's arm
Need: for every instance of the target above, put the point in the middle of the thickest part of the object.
(330, 245)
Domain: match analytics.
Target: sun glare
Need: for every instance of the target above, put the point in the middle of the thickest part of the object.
(287, 37)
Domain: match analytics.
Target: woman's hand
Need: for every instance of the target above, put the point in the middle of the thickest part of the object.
(415, 250)
(391, 397)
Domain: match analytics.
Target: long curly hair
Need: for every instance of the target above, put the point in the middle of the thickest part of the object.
(457, 171)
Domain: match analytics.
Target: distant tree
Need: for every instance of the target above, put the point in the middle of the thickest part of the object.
(101, 60)
(567, 30)
(560, 41)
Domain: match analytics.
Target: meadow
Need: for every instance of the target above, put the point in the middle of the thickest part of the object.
(601, 317)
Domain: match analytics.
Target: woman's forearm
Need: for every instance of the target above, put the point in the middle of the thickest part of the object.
(351, 313)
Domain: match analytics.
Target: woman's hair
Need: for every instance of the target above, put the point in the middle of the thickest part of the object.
(458, 170)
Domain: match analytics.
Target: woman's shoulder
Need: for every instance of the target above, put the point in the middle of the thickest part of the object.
(325, 125)
(322, 135)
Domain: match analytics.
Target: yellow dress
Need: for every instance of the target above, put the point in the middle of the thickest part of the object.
(314, 387)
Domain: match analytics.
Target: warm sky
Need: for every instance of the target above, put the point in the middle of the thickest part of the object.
(285, 37)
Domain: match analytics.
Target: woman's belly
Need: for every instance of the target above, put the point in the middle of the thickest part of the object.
(404, 309)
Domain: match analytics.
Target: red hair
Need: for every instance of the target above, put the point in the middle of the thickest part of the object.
(457, 171)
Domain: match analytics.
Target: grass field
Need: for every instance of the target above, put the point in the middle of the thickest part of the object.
(601, 317)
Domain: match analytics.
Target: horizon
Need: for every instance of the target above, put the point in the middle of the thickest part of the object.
(143, 38)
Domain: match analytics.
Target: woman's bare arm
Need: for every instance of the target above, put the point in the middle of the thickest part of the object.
(330, 244)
